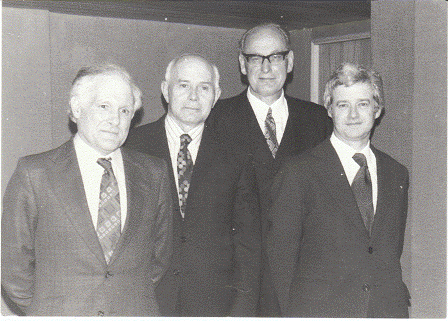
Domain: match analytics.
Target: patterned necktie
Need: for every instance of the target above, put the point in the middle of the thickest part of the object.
(184, 171)
(109, 211)
(362, 187)
(270, 133)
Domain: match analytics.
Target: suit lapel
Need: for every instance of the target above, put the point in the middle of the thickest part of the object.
(159, 148)
(136, 201)
(255, 134)
(387, 189)
(69, 190)
(331, 173)
(208, 154)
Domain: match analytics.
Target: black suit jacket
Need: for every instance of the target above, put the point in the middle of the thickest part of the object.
(215, 265)
(234, 121)
(323, 262)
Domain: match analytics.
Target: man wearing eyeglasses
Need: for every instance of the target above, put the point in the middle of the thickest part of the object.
(268, 124)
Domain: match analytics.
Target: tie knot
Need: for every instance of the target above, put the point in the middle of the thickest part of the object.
(269, 112)
(105, 163)
(360, 158)
(185, 139)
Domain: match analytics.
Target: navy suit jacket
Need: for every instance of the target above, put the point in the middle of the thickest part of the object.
(216, 260)
(323, 262)
(52, 261)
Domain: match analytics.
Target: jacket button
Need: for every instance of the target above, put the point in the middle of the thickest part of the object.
(108, 274)
(366, 287)
(176, 272)
(100, 313)
(370, 250)
(183, 239)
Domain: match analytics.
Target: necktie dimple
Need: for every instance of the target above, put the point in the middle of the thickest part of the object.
(184, 171)
(362, 188)
(270, 132)
(109, 211)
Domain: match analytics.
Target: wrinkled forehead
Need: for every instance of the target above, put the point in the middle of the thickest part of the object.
(193, 68)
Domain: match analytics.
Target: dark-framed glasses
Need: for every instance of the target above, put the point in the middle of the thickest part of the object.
(275, 58)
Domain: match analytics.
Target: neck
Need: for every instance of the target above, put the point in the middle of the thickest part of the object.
(268, 100)
(357, 145)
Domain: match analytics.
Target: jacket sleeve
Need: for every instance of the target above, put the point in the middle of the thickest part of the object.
(283, 238)
(247, 241)
(163, 240)
(19, 220)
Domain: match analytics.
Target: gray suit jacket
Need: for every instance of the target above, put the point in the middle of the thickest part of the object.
(52, 261)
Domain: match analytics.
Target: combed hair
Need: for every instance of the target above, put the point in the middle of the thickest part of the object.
(283, 32)
(348, 74)
(176, 60)
(86, 73)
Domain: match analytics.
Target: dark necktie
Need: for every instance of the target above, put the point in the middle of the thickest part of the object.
(184, 171)
(109, 211)
(362, 188)
(270, 132)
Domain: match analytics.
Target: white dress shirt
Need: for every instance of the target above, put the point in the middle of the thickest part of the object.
(92, 173)
(279, 112)
(345, 154)
(173, 133)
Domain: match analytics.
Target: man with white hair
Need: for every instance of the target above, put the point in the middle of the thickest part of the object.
(87, 227)
(216, 254)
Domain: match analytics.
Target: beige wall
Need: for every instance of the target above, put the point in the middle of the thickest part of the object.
(409, 45)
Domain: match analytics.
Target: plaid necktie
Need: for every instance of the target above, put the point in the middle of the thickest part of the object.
(109, 211)
(184, 171)
(270, 133)
(362, 188)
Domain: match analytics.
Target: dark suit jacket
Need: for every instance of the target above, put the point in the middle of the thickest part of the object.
(235, 122)
(324, 264)
(52, 261)
(216, 260)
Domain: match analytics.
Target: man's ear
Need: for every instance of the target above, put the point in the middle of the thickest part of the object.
(378, 111)
(75, 106)
(290, 60)
(329, 111)
(217, 95)
(242, 64)
(164, 88)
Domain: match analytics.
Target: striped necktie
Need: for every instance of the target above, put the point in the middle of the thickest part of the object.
(270, 132)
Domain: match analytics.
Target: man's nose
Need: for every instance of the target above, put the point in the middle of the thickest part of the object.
(265, 65)
(114, 117)
(193, 94)
(354, 111)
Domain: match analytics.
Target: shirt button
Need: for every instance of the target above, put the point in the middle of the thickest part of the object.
(100, 313)
(176, 272)
(370, 249)
(366, 287)
(108, 274)
(183, 239)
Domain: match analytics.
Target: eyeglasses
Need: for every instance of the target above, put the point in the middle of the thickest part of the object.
(276, 58)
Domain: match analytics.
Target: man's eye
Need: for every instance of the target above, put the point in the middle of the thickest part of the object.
(363, 104)
(125, 111)
(183, 85)
(103, 106)
(205, 88)
(342, 105)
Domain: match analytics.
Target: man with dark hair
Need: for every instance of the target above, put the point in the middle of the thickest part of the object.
(87, 227)
(339, 214)
(215, 265)
(268, 124)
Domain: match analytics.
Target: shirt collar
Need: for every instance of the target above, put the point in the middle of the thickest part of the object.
(175, 130)
(255, 101)
(87, 154)
(346, 152)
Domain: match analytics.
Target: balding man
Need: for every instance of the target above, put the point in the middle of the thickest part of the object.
(268, 124)
(215, 266)
(87, 226)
